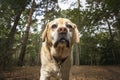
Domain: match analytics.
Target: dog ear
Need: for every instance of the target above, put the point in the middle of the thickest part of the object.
(44, 34)
(76, 34)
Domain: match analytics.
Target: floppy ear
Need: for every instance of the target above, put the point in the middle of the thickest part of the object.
(76, 34)
(44, 34)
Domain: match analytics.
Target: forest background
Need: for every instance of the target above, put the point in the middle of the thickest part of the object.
(22, 22)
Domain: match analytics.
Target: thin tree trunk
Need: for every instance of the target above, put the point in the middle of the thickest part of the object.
(91, 58)
(77, 56)
(25, 39)
(112, 38)
(110, 31)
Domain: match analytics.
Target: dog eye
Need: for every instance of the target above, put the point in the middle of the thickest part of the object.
(69, 26)
(54, 26)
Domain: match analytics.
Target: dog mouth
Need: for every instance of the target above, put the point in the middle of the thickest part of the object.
(63, 41)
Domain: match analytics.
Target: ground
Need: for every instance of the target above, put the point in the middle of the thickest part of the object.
(77, 73)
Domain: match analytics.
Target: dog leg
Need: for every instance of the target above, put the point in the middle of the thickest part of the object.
(44, 75)
(66, 69)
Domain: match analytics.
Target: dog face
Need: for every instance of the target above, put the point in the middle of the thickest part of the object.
(60, 32)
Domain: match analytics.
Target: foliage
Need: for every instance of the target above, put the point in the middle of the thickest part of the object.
(99, 26)
(99, 30)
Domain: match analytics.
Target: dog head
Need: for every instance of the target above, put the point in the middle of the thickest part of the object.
(60, 32)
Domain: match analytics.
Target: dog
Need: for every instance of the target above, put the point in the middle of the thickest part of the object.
(57, 41)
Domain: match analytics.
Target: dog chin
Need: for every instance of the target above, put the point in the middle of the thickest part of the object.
(61, 43)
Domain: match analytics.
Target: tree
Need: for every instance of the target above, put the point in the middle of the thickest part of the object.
(92, 19)
(103, 13)
(77, 47)
(14, 18)
(23, 48)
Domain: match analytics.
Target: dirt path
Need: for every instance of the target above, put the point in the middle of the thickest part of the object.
(77, 73)
(95, 73)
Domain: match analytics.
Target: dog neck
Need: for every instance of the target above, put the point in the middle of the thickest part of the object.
(59, 54)
(59, 61)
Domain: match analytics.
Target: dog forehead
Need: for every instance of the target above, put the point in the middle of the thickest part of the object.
(60, 21)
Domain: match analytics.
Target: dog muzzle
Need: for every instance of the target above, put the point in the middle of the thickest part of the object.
(62, 41)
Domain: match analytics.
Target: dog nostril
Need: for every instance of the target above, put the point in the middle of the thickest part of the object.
(62, 30)
(65, 30)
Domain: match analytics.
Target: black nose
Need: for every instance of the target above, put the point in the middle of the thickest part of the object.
(62, 30)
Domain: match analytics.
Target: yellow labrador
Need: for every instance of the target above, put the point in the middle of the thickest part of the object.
(58, 37)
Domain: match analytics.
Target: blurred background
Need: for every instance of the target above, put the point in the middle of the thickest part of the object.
(22, 22)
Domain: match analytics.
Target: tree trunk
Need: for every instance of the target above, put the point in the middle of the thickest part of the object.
(25, 39)
(91, 58)
(77, 54)
(6, 52)
(110, 31)
(112, 41)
